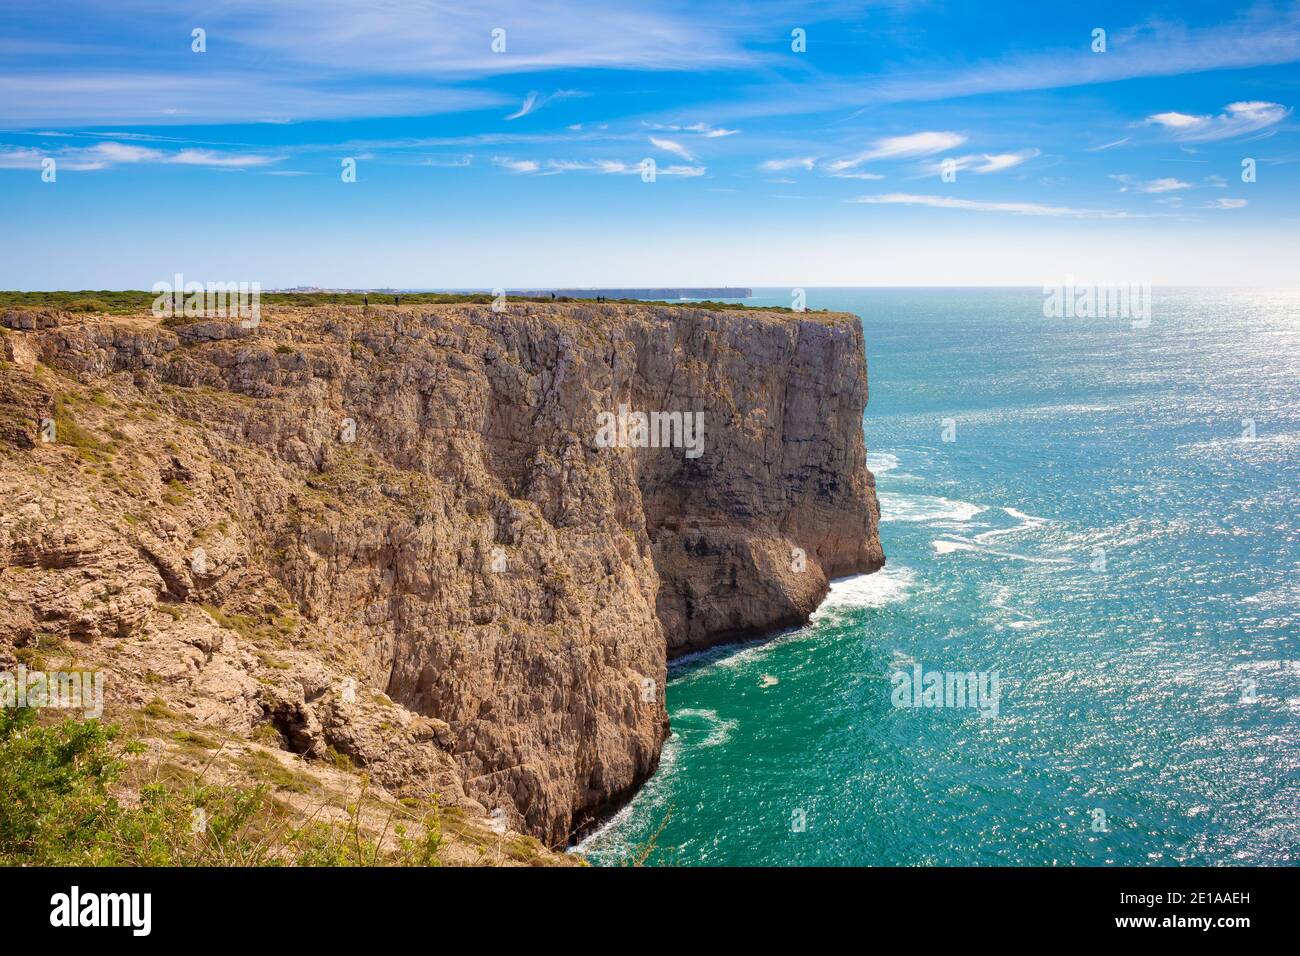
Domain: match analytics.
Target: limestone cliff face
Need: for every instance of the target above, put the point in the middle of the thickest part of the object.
(394, 533)
(746, 535)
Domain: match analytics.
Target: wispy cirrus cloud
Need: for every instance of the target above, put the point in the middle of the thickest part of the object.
(1224, 203)
(790, 162)
(702, 129)
(900, 147)
(1164, 184)
(534, 101)
(207, 157)
(978, 205)
(447, 162)
(28, 157)
(517, 165)
(554, 167)
(1111, 145)
(984, 163)
(106, 154)
(530, 101)
(98, 97)
(300, 60)
(1259, 36)
(1237, 119)
(446, 37)
(672, 146)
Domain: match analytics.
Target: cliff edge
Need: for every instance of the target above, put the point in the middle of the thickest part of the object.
(455, 546)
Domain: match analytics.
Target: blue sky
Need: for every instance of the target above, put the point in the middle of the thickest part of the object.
(523, 168)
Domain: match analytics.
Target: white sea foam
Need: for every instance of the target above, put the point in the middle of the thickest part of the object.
(719, 729)
(925, 508)
(886, 586)
(1027, 523)
(880, 462)
(846, 595)
(944, 546)
(650, 800)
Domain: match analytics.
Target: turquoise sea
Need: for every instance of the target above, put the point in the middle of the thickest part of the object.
(1103, 532)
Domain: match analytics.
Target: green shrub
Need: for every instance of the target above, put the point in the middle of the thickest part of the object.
(68, 432)
(87, 305)
(59, 809)
(158, 709)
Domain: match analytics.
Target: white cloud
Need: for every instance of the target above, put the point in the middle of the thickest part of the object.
(1223, 203)
(985, 162)
(1105, 146)
(27, 157)
(101, 97)
(534, 102)
(1176, 120)
(1260, 36)
(1016, 208)
(109, 153)
(530, 101)
(554, 167)
(122, 153)
(614, 166)
(996, 162)
(688, 172)
(899, 147)
(206, 157)
(448, 162)
(793, 162)
(702, 129)
(672, 146)
(517, 165)
(1165, 184)
(1237, 119)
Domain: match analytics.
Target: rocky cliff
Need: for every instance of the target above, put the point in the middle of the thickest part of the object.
(398, 534)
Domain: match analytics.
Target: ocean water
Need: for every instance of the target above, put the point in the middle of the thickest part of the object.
(1102, 533)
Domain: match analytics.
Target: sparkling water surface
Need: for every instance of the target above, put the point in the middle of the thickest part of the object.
(1102, 533)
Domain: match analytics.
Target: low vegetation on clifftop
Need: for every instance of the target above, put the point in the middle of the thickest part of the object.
(126, 302)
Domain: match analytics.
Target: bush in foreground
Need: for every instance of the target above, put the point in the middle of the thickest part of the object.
(59, 809)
